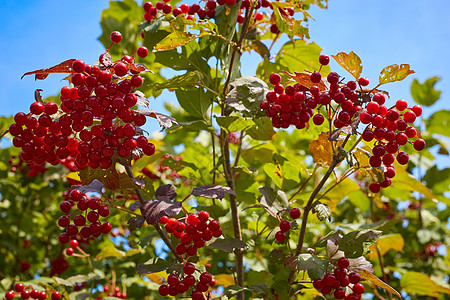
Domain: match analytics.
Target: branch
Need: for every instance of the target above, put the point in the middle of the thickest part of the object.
(161, 232)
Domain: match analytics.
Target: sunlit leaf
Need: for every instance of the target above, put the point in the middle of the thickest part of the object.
(438, 122)
(109, 250)
(378, 282)
(385, 243)
(394, 73)
(64, 67)
(357, 243)
(420, 284)
(177, 39)
(321, 150)
(350, 62)
(224, 279)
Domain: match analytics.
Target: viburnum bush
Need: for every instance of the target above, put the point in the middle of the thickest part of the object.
(293, 183)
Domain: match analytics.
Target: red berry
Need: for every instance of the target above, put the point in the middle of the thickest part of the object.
(358, 288)
(316, 77)
(205, 277)
(163, 290)
(193, 219)
(73, 243)
(324, 59)
(333, 78)
(419, 144)
(188, 269)
(339, 294)
(318, 119)
(285, 226)
(142, 52)
(379, 98)
(9, 294)
(203, 216)
(417, 109)
(36, 108)
(69, 251)
(25, 294)
(259, 16)
(115, 37)
(343, 262)
(275, 78)
(363, 81)
(294, 213)
(403, 158)
(373, 107)
(163, 220)
(354, 278)
(409, 117)
(18, 287)
(318, 284)
(280, 236)
(56, 295)
(374, 187)
(401, 105)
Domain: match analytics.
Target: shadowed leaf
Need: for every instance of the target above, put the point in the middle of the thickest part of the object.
(165, 192)
(135, 222)
(212, 191)
(357, 243)
(273, 201)
(95, 186)
(152, 211)
(227, 245)
(157, 265)
(165, 121)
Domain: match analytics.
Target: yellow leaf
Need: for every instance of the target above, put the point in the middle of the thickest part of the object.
(350, 62)
(304, 79)
(224, 279)
(321, 150)
(74, 176)
(157, 277)
(378, 282)
(394, 73)
(177, 39)
(421, 284)
(386, 243)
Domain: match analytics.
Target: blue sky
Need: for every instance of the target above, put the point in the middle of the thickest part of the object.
(38, 34)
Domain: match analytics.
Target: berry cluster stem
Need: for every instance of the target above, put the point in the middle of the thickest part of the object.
(309, 205)
(158, 228)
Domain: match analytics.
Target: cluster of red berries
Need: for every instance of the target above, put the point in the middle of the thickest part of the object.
(32, 170)
(88, 208)
(209, 10)
(340, 281)
(59, 265)
(193, 232)
(432, 248)
(390, 129)
(29, 292)
(179, 283)
(94, 121)
(285, 225)
(113, 292)
(295, 105)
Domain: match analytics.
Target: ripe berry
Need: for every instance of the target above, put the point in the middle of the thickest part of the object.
(318, 284)
(373, 107)
(403, 158)
(339, 294)
(69, 251)
(73, 243)
(36, 108)
(324, 59)
(409, 116)
(343, 262)
(18, 287)
(379, 98)
(401, 105)
(116, 37)
(333, 78)
(275, 78)
(354, 278)
(358, 288)
(203, 216)
(142, 52)
(374, 187)
(285, 226)
(318, 119)
(120, 69)
(417, 109)
(163, 290)
(25, 294)
(10, 294)
(316, 77)
(259, 16)
(294, 213)
(363, 81)
(280, 236)
(205, 277)
(188, 268)
(419, 144)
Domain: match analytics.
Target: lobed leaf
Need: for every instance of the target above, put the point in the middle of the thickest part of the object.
(357, 243)
(394, 73)
(152, 211)
(421, 284)
(385, 243)
(95, 186)
(425, 93)
(165, 121)
(157, 265)
(350, 62)
(438, 122)
(246, 94)
(227, 244)
(273, 201)
(177, 39)
(165, 192)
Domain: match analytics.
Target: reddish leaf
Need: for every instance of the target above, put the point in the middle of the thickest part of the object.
(165, 192)
(152, 211)
(37, 96)
(394, 73)
(64, 67)
(305, 80)
(212, 191)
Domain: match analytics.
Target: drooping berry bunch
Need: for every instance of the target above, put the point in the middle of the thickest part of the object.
(27, 292)
(87, 208)
(32, 170)
(390, 128)
(95, 120)
(113, 292)
(342, 283)
(285, 225)
(193, 232)
(345, 104)
(59, 265)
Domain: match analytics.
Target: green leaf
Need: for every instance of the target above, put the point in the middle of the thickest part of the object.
(259, 277)
(72, 281)
(227, 244)
(260, 48)
(263, 131)
(246, 94)
(273, 201)
(420, 284)
(189, 79)
(425, 93)
(438, 122)
(357, 243)
(274, 173)
(350, 62)
(406, 181)
(231, 124)
(308, 261)
(394, 73)
(288, 24)
(177, 39)
(154, 266)
(109, 250)
(438, 180)
(194, 101)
